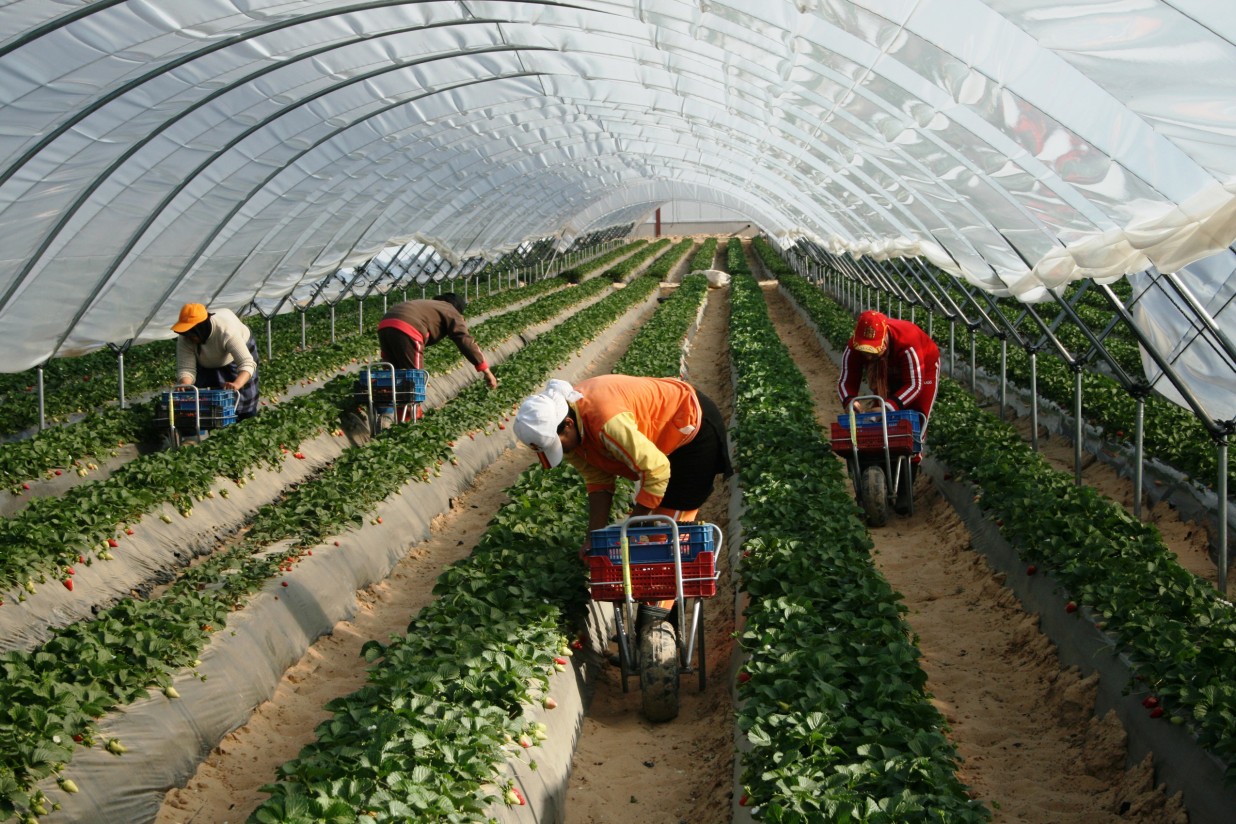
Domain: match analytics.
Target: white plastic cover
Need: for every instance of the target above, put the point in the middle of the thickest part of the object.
(153, 153)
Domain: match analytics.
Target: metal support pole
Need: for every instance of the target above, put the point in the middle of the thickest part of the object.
(302, 331)
(269, 335)
(1004, 370)
(42, 399)
(1221, 489)
(952, 351)
(1139, 445)
(1077, 425)
(360, 315)
(1034, 400)
(332, 323)
(120, 376)
(384, 298)
(973, 353)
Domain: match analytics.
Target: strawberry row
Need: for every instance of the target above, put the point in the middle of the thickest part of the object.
(833, 701)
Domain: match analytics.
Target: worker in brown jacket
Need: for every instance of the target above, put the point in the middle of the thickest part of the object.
(409, 327)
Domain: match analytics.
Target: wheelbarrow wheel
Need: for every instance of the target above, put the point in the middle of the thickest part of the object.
(875, 496)
(699, 645)
(658, 672)
(905, 490)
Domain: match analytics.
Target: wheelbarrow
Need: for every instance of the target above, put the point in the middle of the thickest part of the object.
(187, 413)
(653, 558)
(879, 449)
(387, 394)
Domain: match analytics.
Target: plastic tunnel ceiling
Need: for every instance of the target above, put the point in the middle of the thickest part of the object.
(159, 152)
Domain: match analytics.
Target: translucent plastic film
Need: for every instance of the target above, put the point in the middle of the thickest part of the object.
(237, 153)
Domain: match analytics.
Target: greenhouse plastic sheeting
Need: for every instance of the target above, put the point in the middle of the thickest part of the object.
(158, 153)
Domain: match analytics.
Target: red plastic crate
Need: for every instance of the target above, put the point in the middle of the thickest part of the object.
(900, 439)
(653, 581)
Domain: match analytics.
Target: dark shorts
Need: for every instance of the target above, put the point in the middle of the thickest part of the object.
(213, 377)
(695, 466)
(399, 350)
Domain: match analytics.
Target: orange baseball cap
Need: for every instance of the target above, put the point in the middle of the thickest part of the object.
(191, 314)
(870, 333)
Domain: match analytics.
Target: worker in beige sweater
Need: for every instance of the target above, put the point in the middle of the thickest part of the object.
(216, 350)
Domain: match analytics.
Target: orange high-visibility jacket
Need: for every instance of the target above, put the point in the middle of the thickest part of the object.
(628, 426)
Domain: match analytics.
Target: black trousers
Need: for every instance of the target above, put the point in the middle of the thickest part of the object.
(695, 466)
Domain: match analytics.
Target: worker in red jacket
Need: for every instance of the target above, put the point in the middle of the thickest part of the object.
(901, 363)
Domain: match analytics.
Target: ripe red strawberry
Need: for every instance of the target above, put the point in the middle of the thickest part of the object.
(81, 559)
(1157, 712)
(300, 455)
(742, 802)
(25, 486)
(58, 472)
(744, 676)
(68, 584)
(1150, 702)
(70, 570)
(560, 660)
(285, 583)
(1030, 570)
(128, 531)
(113, 543)
(1070, 607)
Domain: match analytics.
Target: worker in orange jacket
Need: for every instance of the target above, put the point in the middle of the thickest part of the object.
(660, 432)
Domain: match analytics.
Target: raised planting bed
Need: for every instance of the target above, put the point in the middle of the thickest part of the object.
(835, 720)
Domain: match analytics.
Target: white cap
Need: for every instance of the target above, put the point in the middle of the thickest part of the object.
(536, 422)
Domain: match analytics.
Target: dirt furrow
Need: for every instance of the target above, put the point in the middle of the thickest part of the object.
(626, 768)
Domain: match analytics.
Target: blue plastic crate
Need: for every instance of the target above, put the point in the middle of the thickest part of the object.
(409, 386)
(872, 420)
(199, 412)
(652, 544)
(222, 399)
